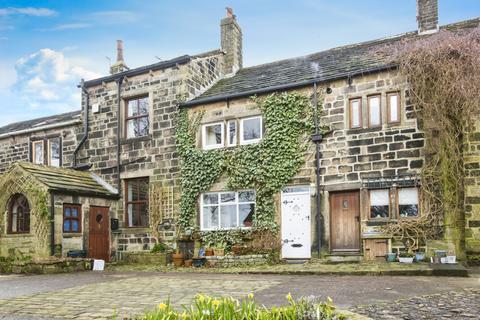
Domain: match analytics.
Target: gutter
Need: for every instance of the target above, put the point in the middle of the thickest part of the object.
(317, 138)
(49, 126)
(85, 123)
(119, 109)
(283, 87)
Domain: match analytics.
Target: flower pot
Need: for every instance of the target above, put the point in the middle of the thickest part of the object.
(198, 262)
(209, 252)
(237, 249)
(219, 252)
(405, 259)
(443, 259)
(177, 259)
(451, 259)
(391, 257)
(419, 256)
(188, 263)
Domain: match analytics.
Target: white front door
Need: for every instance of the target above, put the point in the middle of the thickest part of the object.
(296, 225)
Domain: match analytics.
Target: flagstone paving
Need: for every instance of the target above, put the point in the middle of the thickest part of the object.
(100, 295)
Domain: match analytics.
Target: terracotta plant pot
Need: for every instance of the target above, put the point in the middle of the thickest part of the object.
(177, 259)
(188, 263)
(209, 252)
(219, 252)
(237, 249)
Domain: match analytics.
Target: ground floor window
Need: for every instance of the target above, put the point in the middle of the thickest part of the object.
(137, 202)
(405, 200)
(408, 202)
(72, 218)
(19, 214)
(227, 210)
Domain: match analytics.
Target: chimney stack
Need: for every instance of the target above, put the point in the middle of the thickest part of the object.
(119, 65)
(427, 16)
(231, 43)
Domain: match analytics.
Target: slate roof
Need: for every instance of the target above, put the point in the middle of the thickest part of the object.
(68, 181)
(40, 122)
(336, 63)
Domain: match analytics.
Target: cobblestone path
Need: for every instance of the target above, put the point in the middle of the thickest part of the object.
(126, 297)
(458, 305)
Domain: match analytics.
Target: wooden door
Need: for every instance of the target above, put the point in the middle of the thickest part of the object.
(345, 221)
(99, 233)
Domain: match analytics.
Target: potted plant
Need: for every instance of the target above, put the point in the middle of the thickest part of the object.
(406, 257)
(219, 249)
(391, 257)
(177, 257)
(419, 256)
(188, 263)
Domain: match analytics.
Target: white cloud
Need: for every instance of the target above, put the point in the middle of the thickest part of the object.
(29, 11)
(47, 79)
(70, 26)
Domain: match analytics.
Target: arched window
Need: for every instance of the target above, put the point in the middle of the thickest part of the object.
(18, 214)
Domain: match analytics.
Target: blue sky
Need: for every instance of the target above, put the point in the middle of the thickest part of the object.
(46, 47)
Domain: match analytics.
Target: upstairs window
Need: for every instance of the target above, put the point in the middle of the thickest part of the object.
(137, 122)
(213, 135)
(137, 202)
(379, 204)
(232, 133)
(251, 130)
(72, 217)
(19, 214)
(393, 107)
(374, 111)
(54, 152)
(38, 152)
(356, 113)
(47, 152)
(408, 202)
(227, 210)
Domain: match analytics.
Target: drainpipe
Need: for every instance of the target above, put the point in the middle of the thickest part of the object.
(119, 108)
(85, 123)
(52, 224)
(317, 139)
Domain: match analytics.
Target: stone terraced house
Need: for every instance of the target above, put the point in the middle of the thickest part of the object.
(124, 136)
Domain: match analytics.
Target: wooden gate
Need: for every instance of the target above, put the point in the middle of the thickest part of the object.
(345, 221)
(99, 233)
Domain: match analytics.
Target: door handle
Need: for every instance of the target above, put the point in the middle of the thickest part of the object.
(287, 202)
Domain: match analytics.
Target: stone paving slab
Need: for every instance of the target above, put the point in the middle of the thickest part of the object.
(458, 305)
(124, 298)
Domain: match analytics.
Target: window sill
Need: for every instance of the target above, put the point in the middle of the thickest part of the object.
(226, 229)
(133, 140)
(19, 235)
(72, 234)
(135, 229)
(363, 130)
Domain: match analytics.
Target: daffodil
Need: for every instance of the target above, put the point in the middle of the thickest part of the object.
(162, 306)
(215, 302)
(250, 296)
(289, 297)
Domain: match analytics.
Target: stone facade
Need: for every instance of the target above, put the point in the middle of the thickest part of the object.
(472, 193)
(16, 147)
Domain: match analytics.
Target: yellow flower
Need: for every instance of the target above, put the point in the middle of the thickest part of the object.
(216, 302)
(289, 297)
(250, 296)
(184, 315)
(201, 297)
(162, 306)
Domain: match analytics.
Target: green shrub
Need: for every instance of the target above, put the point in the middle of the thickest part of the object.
(159, 247)
(205, 307)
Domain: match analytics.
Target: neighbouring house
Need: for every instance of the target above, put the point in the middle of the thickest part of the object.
(53, 211)
(367, 175)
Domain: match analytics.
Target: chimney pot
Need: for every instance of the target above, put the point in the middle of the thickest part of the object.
(231, 43)
(230, 12)
(119, 65)
(119, 50)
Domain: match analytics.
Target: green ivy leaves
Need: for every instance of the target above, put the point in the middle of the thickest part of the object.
(265, 167)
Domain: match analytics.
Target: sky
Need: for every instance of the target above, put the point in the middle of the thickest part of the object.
(46, 47)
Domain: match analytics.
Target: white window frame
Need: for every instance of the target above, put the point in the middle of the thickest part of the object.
(398, 204)
(49, 152)
(236, 203)
(204, 136)
(234, 143)
(244, 142)
(34, 151)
